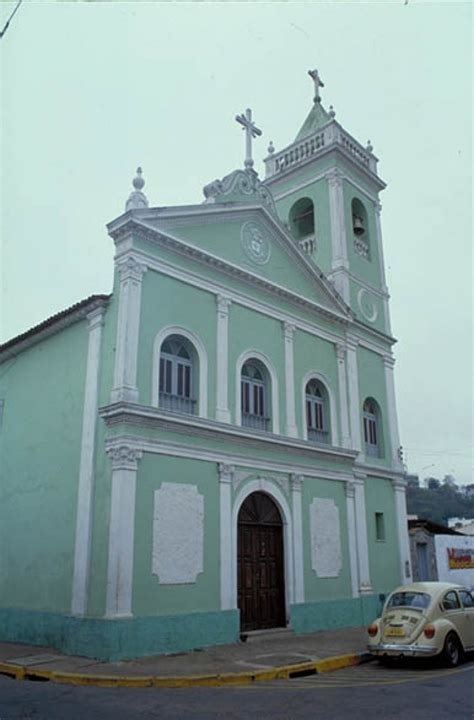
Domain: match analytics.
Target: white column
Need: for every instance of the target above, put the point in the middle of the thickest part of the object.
(361, 534)
(352, 536)
(125, 376)
(296, 483)
(340, 262)
(353, 392)
(343, 405)
(288, 334)
(121, 530)
(389, 363)
(399, 488)
(222, 395)
(82, 547)
(383, 281)
(228, 589)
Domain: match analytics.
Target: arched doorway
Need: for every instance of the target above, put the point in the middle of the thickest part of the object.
(261, 590)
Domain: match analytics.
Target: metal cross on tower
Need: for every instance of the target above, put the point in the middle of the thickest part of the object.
(317, 84)
(251, 131)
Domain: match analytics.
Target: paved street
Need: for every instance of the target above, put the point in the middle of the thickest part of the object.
(360, 693)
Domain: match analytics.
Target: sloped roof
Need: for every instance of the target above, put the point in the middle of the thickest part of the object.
(317, 118)
(53, 324)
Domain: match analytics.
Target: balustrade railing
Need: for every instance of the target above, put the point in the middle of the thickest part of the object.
(257, 422)
(313, 145)
(320, 436)
(176, 403)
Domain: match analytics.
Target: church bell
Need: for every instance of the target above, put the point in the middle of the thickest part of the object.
(358, 223)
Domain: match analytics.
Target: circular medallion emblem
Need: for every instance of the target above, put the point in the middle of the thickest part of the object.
(367, 305)
(255, 242)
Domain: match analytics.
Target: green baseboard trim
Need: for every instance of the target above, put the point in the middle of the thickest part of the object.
(351, 612)
(121, 639)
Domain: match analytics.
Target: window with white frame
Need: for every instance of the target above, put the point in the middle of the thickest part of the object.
(254, 396)
(317, 413)
(371, 417)
(177, 375)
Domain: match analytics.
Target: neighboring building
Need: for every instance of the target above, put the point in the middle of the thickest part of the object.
(462, 525)
(213, 448)
(440, 553)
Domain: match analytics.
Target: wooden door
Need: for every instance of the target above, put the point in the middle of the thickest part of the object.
(261, 592)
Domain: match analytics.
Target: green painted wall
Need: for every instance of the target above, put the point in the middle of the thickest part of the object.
(40, 448)
(327, 615)
(149, 596)
(166, 301)
(311, 354)
(383, 554)
(251, 330)
(319, 194)
(317, 588)
(372, 384)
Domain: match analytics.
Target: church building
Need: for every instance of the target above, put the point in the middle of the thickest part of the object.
(212, 449)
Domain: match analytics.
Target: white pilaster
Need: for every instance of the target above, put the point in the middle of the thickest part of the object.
(288, 334)
(228, 592)
(383, 281)
(389, 363)
(399, 488)
(361, 535)
(82, 547)
(352, 536)
(296, 483)
(121, 531)
(222, 398)
(353, 393)
(125, 376)
(343, 405)
(340, 262)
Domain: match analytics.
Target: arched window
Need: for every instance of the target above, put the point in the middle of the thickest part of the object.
(372, 428)
(360, 229)
(317, 412)
(177, 375)
(254, 395)
(301, 224)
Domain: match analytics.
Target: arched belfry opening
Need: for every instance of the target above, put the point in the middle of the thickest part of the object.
(260, 564)
(301, 224)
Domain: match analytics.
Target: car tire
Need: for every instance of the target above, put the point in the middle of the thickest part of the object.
(452, 650)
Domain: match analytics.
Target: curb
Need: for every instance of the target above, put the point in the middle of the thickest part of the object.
(211, 680)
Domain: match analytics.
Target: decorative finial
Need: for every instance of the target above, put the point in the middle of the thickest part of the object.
(369, 146)
(251, 131)
(138, 181)
(317, 84)
(271, 148)
(137, 199)
(332, 112)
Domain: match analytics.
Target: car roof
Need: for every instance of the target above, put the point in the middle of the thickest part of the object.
(432, 588)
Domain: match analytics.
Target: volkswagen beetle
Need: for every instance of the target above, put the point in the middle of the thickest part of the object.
(424, 619)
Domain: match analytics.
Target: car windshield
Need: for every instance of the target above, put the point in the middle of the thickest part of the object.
(409, 599)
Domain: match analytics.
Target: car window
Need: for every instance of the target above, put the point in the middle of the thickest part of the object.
(451, 601)
(466, 598)
(409, 599)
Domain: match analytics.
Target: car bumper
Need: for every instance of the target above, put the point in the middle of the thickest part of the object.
(406, 650)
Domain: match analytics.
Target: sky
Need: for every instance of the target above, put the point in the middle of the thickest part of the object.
(91, 90)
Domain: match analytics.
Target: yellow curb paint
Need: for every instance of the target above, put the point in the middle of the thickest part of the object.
(218, 679)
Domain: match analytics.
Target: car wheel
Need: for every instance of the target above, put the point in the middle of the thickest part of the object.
(452, 650)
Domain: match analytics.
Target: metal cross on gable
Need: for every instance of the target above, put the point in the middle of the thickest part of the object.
(251, 131)
(317, 84)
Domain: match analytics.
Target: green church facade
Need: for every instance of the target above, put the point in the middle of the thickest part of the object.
(212, 449)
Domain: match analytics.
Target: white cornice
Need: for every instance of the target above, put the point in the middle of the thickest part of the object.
(320, 176)
(180, 450)
(379, 471)
(344, 314)
(147, 416)
(235, 296)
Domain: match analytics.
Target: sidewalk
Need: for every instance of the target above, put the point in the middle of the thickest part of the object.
(266, 656)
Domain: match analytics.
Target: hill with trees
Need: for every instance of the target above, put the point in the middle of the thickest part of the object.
(439, 503)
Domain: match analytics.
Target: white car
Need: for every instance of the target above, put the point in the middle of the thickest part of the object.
(424, 619)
